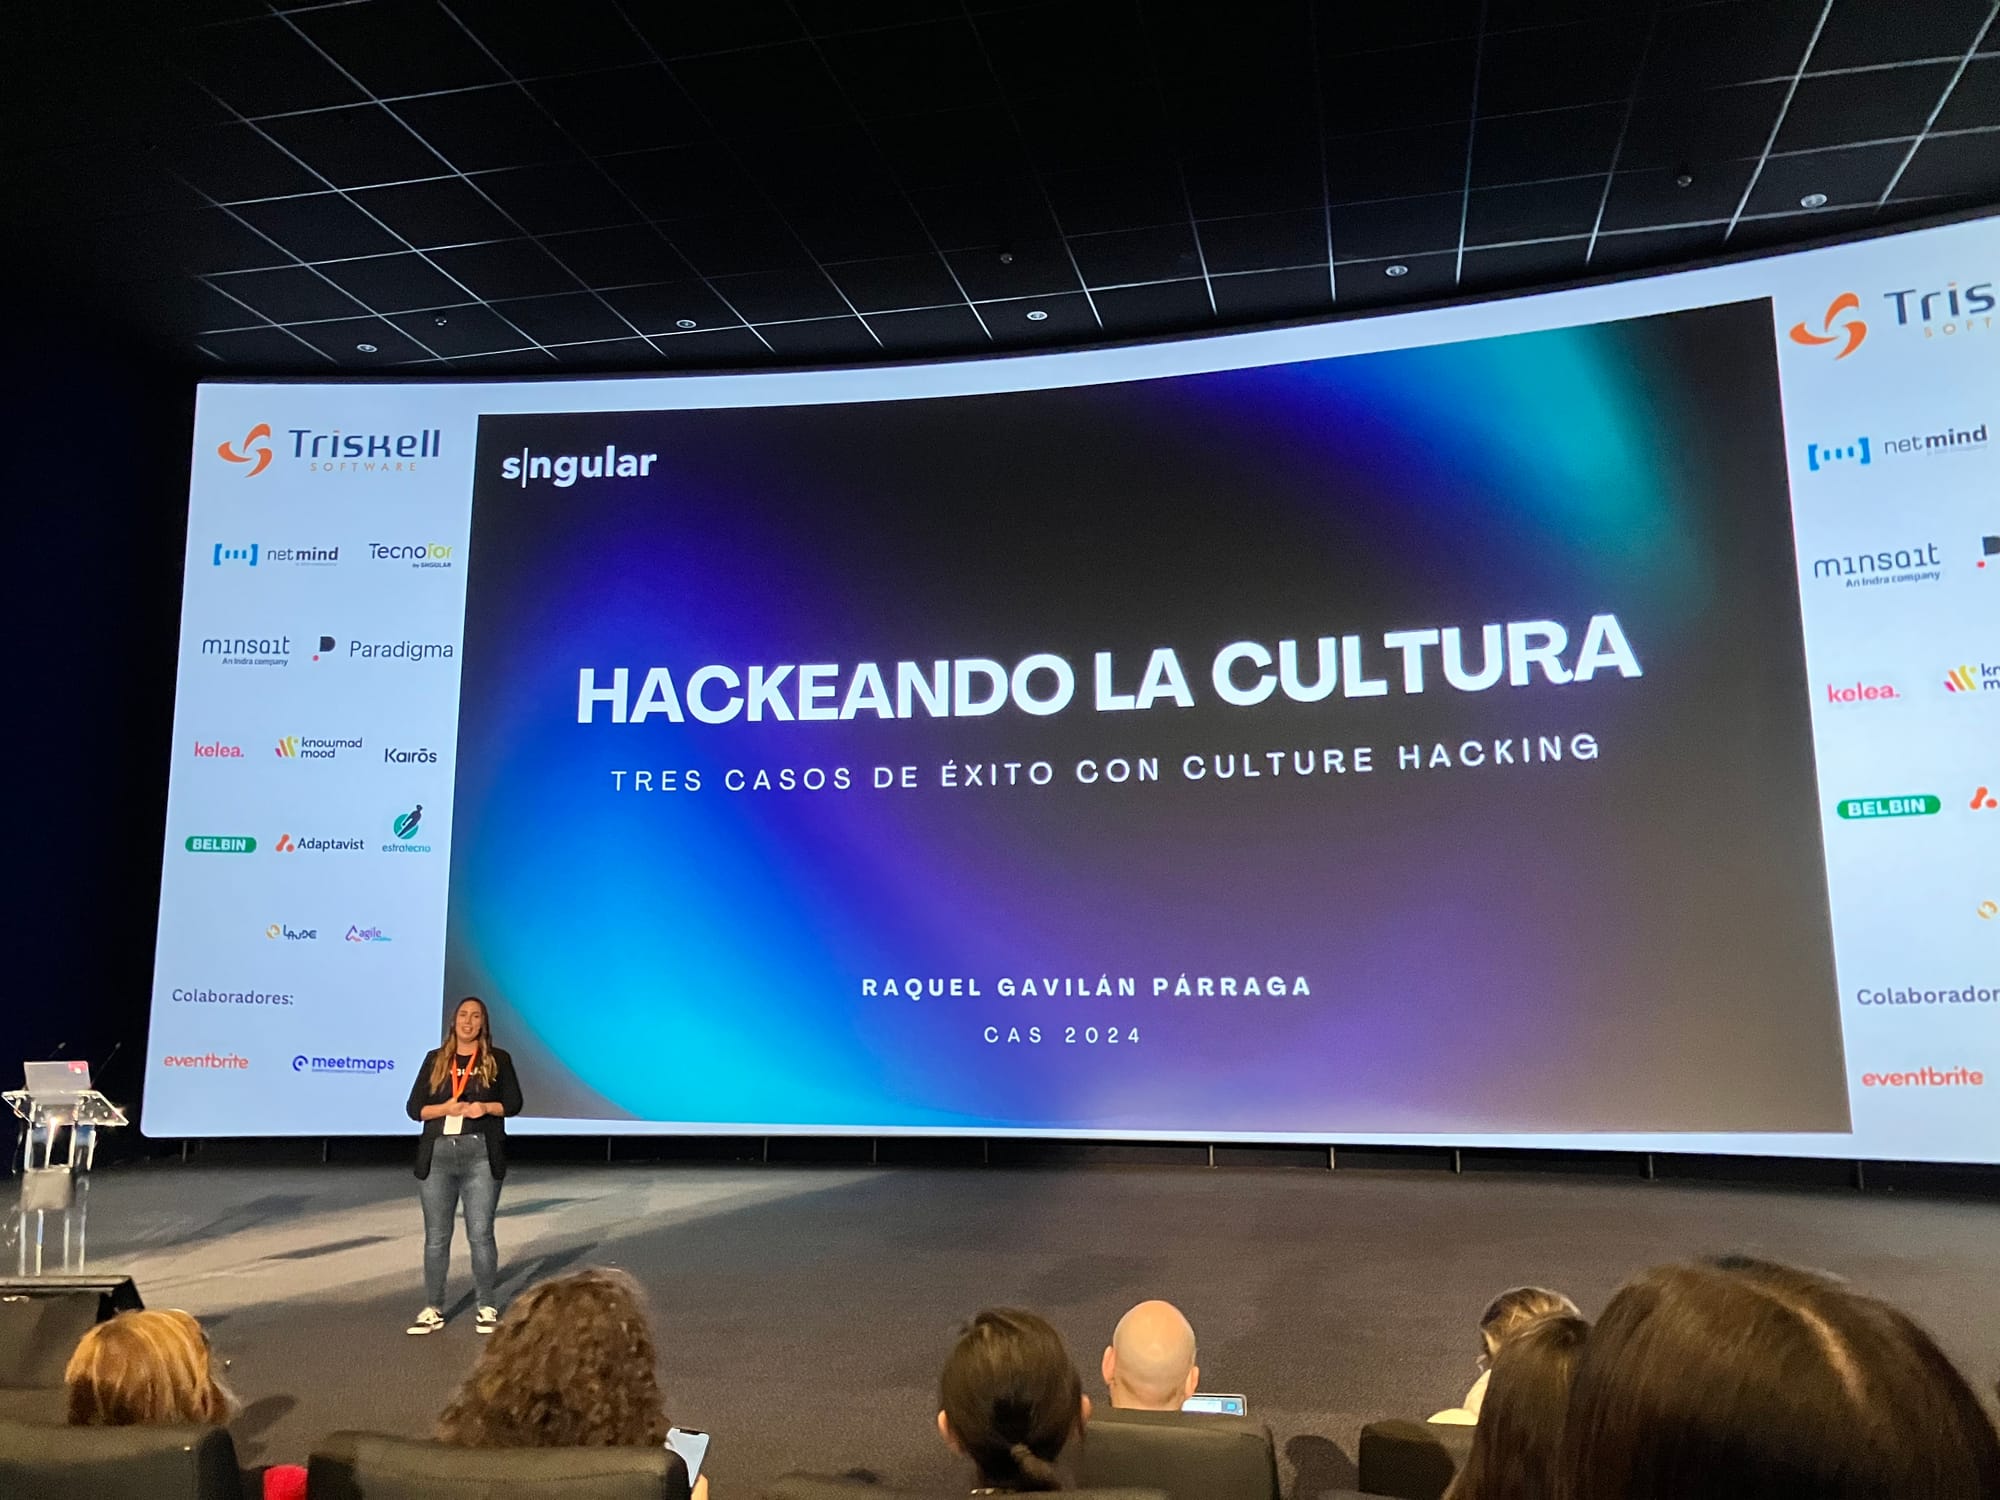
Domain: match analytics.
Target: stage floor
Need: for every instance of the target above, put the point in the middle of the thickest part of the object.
(803, 1312)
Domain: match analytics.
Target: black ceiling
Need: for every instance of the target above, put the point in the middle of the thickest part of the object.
(468, 185)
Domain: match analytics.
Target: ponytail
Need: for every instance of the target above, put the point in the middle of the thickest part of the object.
(1037, 1473)
(1012, 1398)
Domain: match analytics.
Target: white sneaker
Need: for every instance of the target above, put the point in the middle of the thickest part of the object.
(487, 1319)
(430, 1320)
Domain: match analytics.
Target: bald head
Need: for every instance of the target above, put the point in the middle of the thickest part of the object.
(1150, 1364)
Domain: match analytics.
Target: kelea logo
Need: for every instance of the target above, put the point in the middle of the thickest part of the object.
(291, 934)
(255, 450)
(1863, 692)
(216, 750)
(395, 755)
(1841, 324)
(564, 469)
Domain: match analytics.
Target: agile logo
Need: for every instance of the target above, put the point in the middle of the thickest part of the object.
(1945, 311)
(1863, 570)
(404, 827)
(1818, 458)
(245, 555)
(220, 843)
(216, 750)
(1862, 692)
(367, 935)
(1863, 809)
(291, 934)
(1984, 801)
(416, 554)
(1967, 678)
(1852, 328)
(295, 747)
(564, 469)
(255, 449)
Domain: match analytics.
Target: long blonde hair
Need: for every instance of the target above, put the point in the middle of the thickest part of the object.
(486, 1069)
(145, 1369)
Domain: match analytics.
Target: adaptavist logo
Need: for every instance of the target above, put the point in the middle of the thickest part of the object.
(299, 747)
(230, 997)
(367, 935)
(1819, 457)
(363, 1067)
(207, 1060)
(1942, 312)
(1916, 805)
(396, 755)
(313, 844)
(1984, 800)
(216, 750)
(1984, 677)
(245, 555)
(416, 554)
(411, 651)
(1922, 563)
(404, 827)
(291, 934)
(1842, 324)
(1862, 692)
(255, 450)
(220, 843)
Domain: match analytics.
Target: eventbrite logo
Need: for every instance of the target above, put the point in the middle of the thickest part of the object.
(1834, 327)
(255, 449)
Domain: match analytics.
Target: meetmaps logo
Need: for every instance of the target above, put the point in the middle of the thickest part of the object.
(1968, 678)
(404, 826)
(255, 450)
(1841, 324)
(361, 1067)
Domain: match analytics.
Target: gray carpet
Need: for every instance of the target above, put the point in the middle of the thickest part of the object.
(803, 1313)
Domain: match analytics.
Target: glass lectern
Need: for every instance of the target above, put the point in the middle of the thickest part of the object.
(58, 1097)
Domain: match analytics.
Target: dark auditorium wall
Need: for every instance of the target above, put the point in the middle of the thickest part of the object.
(96, 440)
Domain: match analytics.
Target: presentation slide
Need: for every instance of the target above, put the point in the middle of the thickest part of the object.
(1565, 720)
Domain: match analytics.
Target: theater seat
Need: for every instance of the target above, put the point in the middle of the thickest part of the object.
(1190, 1456)
(800, 1486)
(370, 1466)
(1411, 1460)
(118, 1463)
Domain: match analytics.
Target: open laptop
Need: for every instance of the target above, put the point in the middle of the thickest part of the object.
(57, 1082)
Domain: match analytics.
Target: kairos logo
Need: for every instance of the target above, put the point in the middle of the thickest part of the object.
(255, 450)
(432, 555)
(1841, 324)
(396, 755)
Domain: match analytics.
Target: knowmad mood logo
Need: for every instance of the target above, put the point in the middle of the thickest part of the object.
(254, 450)
(1840, 324)
(405, 826)
(1973, 677)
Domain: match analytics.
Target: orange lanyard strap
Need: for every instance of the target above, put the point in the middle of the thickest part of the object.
(460, 1078)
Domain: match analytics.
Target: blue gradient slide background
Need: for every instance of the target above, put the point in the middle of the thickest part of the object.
(1633, 943)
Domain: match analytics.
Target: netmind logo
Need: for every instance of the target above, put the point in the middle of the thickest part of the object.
(1922, 563)
(427, 555)
(564, 469)
(404, 827)
(367, 935)
(313, 844)
(1970, 677)
(1841, 324)
(1820, 456)
(279, 930)
(1865, 809)
(220, 843)
(255, 450)
(300, 747)
(358, 1067)
(1862, 452)
(251, 554)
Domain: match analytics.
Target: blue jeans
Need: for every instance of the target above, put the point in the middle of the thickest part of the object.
(459, 1170)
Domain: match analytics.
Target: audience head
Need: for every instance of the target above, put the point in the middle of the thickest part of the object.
(144, 1369)
(1150, 1363)
(1514, 1309)
(1740, 1377)
(1521, 1422)
(572, 1365)
(1010, 1399)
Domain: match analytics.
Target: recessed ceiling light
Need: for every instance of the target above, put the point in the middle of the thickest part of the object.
(683, 322)
(1037, 316)
(440, 320)
(1006, 257)
(1813, 200)
(1396, 270)
(1686, 179)
(366, 348)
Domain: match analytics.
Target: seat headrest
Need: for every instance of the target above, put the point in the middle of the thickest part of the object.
(119, 1463)
(374, 1466)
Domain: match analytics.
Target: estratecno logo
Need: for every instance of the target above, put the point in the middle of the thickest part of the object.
(255, 450)
(364, 1067)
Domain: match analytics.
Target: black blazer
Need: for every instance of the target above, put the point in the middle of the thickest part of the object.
(505, 1090)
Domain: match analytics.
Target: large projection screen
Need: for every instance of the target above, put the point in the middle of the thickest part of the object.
(1570, 720)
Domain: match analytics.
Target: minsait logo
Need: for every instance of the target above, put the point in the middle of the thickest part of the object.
(1841, 324)
(1862, 809)
(298, 747)
(1923, 563)
(279, 930)
(432, 555)
(245, 555)
(255, 450)
(1863, 692)
(564, 469)
(367, 935)
(220, 843)
(248, 650)
(1820, 456)
(216, 750)
(359, 1067)
(404, 826)
(1983, 677)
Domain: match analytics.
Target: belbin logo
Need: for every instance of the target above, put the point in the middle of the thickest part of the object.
(245, 555)
(256, 445)
(405, 829)
(221, 843)
(1967, 678)
(1853, 328)
(292, 934)
(1920, 805)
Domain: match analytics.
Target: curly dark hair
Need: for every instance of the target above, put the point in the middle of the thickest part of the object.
(572, 1365)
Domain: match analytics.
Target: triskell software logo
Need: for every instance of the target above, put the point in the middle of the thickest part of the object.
(255, 449)
(1841, 321)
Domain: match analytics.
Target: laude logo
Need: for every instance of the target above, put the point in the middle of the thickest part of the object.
(1946, 311)
(245, 555)
(404, 827)
(564, 469)
(216, 750)
(297, 747)
(291, 934)
(1841, 324)
(313, 844)
(1922, 563)
(359, 1067)
(367, 935)
(432, 555)
(1863, 692)
(1915, 805)
(255, 449)
(338, 452)
(1968, 677)
(395, 755)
